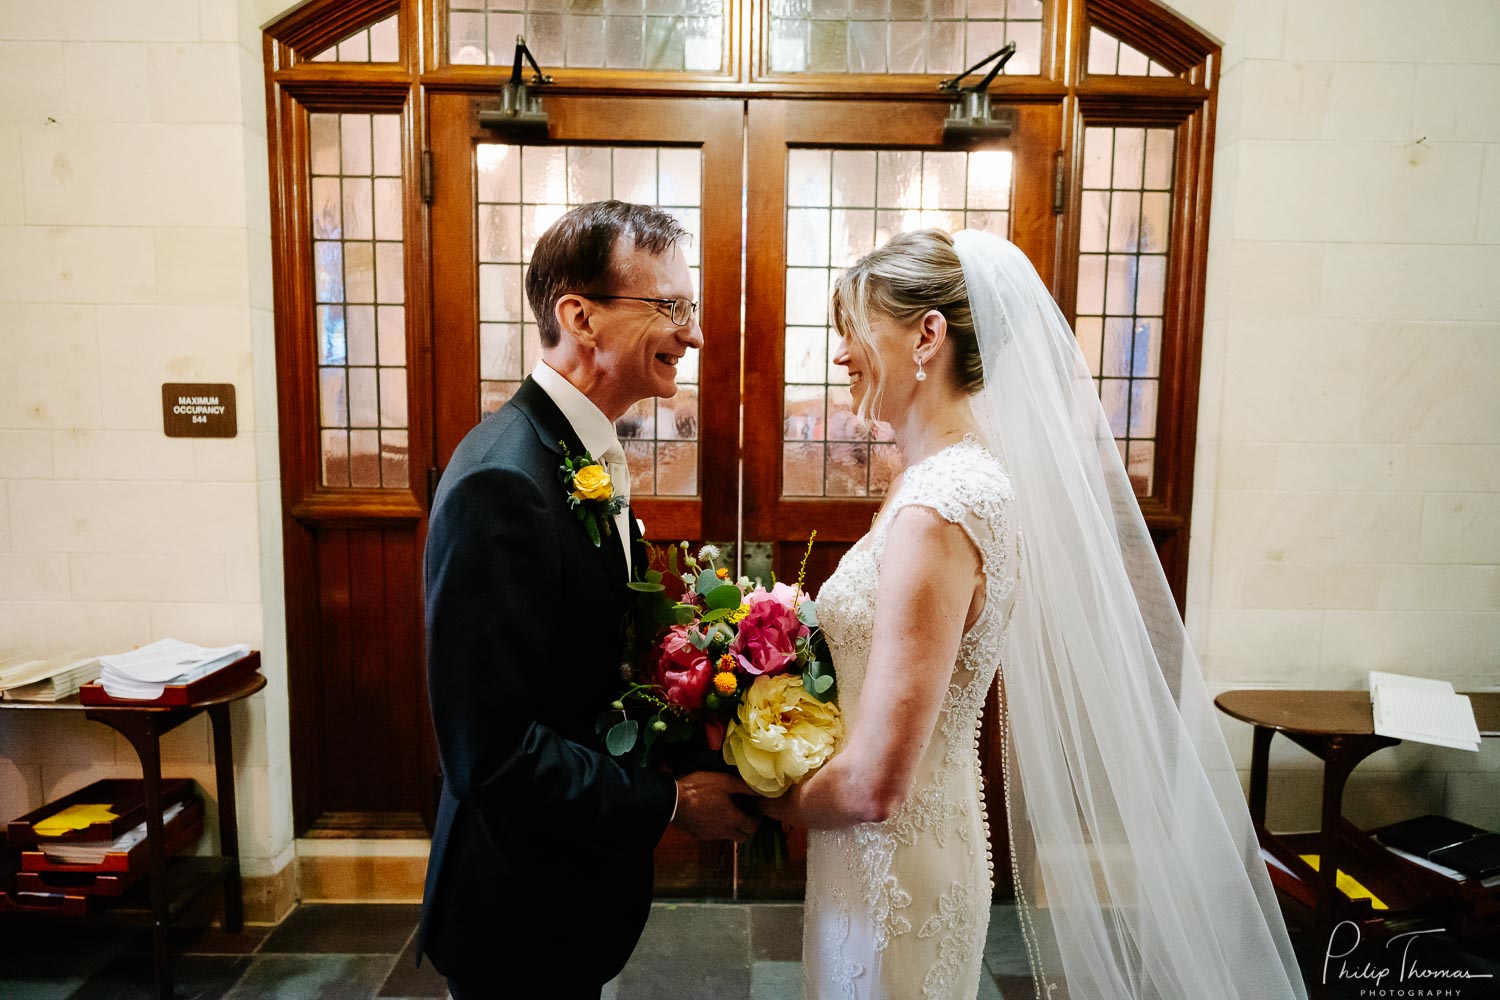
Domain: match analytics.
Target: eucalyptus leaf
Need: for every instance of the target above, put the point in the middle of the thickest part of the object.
(698, 639)
(621, 737)
(683, 614)
(672, 560)
(708, 581)
(807, 613)
(818, 679)
(645, 588)
(653, 576)
(726, 596)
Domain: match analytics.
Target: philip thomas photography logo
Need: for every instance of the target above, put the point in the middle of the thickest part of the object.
(1401, 969)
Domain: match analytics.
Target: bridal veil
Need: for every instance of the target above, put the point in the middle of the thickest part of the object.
(1138, 873)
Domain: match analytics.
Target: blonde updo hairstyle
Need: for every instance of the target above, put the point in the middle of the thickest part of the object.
(911, 274)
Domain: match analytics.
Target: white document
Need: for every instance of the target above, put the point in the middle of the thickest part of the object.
(83, 852)
(141, 674)
(1422, 710)
(19, 673)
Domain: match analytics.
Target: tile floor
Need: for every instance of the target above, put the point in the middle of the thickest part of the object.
(363, 951)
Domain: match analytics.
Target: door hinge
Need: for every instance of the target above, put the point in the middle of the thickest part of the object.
(427, 177)
(1057, 183)
(433, 475)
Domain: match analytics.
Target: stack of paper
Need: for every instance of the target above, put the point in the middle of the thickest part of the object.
(142, 674)
(50, 679)
(1423, 710)
(83, 852)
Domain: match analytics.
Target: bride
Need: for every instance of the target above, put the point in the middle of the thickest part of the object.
(1011, 545)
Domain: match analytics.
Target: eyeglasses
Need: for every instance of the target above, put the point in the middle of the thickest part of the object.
(681, 310)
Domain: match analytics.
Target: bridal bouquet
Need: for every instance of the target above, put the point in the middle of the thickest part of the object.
(733, 674)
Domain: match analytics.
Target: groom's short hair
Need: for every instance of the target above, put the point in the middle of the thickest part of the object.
(577, 254)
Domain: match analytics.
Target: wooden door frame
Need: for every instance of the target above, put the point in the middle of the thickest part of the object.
(774, 127)
(714, 125)
(295, 89)
(295, 84)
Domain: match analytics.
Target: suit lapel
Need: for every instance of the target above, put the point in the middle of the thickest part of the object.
(552, 427)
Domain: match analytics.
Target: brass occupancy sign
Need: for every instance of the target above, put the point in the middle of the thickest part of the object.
(198, 409)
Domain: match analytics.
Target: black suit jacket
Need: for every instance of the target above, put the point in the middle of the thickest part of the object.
(542, 850)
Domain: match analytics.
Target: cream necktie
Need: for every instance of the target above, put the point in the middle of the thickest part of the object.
(619, 477)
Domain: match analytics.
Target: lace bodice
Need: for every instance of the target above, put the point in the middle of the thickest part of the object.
(899, 908)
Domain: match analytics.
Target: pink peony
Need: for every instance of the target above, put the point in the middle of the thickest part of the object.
(767, 639)
(782, 593)
(683, 671)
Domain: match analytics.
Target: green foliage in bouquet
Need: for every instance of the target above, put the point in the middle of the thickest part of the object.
(702, 644)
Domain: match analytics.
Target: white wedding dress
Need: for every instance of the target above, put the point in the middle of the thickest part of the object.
(899, 910)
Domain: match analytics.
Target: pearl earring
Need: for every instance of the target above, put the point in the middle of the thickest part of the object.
(921, 375)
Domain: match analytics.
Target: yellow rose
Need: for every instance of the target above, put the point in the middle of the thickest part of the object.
(781, 734)
(592, 483)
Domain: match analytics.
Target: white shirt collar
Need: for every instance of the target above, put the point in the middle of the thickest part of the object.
(595, 431)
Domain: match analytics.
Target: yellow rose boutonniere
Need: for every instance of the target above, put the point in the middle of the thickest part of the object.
(591, 495)
(592, 483)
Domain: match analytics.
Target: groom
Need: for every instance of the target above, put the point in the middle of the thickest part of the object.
(539, 881)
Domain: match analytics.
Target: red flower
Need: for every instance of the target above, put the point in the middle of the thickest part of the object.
(682, 670)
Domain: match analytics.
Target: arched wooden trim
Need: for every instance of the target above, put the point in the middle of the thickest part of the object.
(315, 26)
(1160, 33)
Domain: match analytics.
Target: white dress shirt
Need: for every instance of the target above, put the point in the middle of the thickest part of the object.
(597, 435)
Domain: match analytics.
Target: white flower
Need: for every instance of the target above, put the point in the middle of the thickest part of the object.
(743, 583)
(708, 553)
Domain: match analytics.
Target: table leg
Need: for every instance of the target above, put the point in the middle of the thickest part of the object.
(145, 737)
(229, 834)
(1337, 766)
(1260, 768)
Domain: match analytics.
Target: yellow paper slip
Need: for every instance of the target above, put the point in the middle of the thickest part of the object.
(1348, 884)
(75, 817)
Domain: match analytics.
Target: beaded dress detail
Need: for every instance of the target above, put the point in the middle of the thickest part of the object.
(899, 910)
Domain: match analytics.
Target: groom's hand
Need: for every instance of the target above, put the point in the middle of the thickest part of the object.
(706, 811)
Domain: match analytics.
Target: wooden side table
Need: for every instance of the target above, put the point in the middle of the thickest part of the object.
(173, 888)
(1338, 728)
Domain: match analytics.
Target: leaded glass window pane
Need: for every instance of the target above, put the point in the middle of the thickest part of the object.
(1108, 56)
(379, 43)
(1125, 225)
(672, 35)
(359, 291)
(840, 205)
(524, 189)
(901, 36)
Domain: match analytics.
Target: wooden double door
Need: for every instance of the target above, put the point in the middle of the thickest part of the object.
(758, 448)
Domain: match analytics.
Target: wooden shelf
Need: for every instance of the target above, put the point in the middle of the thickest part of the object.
(187, 880)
